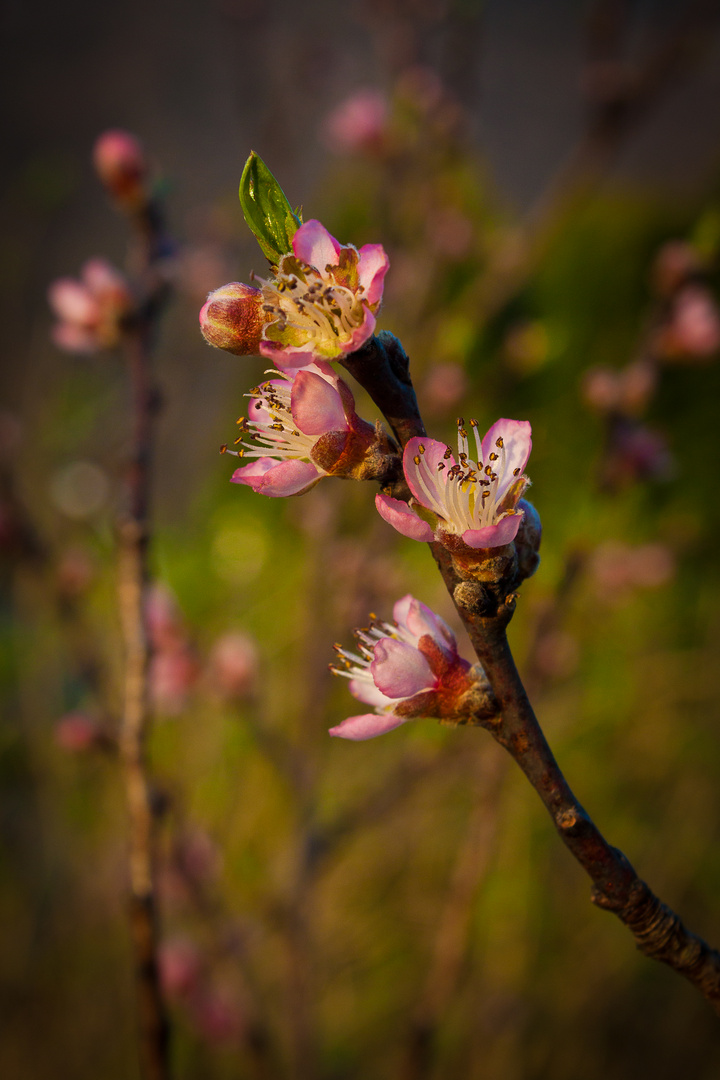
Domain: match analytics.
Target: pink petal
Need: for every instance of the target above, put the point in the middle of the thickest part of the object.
(316, 405)
(401, 608)
(494, 535)
(400, 670)
(360, 335)
(286, 359)
(313, 244)
(368, 726)
(372, 268)
(517, 443)
(277, 479)
(258, 412)
(432, 476)
(73, 302)
(102, 278)
(74, 338)
(366, 691)
(421, 620)
(401, 517)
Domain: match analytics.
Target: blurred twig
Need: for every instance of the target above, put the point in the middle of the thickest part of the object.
(454, 922)
(132, 587)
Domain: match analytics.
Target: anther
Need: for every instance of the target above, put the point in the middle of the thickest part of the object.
(499, 443)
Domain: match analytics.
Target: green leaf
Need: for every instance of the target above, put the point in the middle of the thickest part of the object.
(266, 209)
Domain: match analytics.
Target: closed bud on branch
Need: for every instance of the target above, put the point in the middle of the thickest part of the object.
(231, 319)
(120, 163)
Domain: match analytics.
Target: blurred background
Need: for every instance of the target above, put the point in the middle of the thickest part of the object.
(546, 180)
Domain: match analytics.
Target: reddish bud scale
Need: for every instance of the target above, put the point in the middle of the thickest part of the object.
(231, 319)
(339, 453)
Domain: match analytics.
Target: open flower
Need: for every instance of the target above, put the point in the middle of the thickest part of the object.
(470, 502)
(304, 427)
(404, 669)
(90, 311)
(321, 303)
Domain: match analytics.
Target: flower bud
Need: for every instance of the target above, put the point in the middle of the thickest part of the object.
(266, 209)
(120, 163)
(232, 318)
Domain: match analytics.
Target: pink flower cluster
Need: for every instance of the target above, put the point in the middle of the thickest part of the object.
(90, 310)
(404, 669)
(320, 304)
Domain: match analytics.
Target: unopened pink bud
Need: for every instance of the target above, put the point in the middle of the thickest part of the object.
(231, 318)
(120, 163)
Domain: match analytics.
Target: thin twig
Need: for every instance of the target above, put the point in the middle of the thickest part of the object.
(658, 931)
(454, 923)
(132, 586)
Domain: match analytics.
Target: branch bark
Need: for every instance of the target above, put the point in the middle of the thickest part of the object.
(658, 931)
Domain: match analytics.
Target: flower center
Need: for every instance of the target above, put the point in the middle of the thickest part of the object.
(270, 423)
(302, 305)
(470, 494)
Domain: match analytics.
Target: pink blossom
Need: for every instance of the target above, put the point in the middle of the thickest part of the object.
(233, 666)
(403, 669)
(321, 303)
(470, 502)
(304, 427)
(627, 391)
(693, 330)
(359, 123)
(80, 731)
(172, 675)
(181, 967)
(90, 310)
